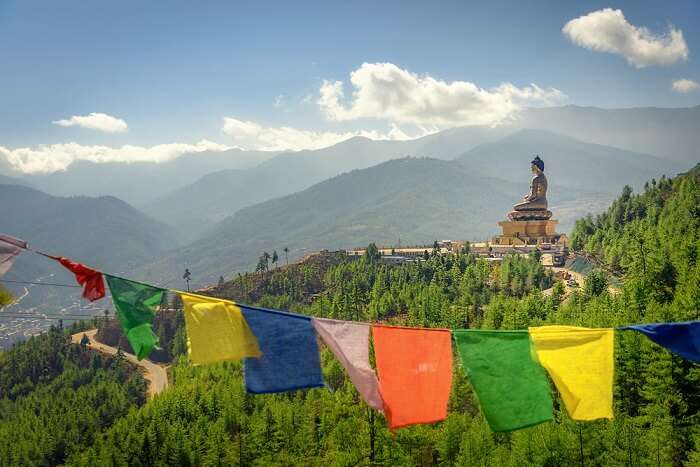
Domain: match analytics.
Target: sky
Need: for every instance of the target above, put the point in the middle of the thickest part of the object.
(134, 80)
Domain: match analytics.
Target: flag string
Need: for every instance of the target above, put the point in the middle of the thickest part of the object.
(39, 283)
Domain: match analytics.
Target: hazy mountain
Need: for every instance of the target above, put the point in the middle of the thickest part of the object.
(669, 133)
(569, 162)
(198, 206)
(104, 232)
(141, 182)
(418, 200)
(5, 180)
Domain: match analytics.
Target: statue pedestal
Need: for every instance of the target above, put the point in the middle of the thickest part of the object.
(533, 232)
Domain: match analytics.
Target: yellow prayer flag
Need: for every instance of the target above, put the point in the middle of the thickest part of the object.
(580, 362)
(216, 330)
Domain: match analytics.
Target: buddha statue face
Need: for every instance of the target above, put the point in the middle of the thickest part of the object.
(535, 169)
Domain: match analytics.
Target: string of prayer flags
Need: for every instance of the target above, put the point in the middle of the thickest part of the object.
(91, 280)
(216, 330)
(512, 387)
(349, 342)
(414, 365)
(580, 362)
(10, 248)
(136, 306)
(415, 373)
(290, 358)
(682, 338)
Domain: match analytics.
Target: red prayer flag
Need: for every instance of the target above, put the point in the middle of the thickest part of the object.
(91, 280)
(415, 373)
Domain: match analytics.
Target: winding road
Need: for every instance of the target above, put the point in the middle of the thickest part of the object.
(155, 374)
(579, 278)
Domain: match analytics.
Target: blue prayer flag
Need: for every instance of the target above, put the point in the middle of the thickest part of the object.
(290, 358)
(680, 338)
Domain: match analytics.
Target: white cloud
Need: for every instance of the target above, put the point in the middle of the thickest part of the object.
(251, 135)
(95, 121)
(607, 30)
(54, 157)
(685, 85)
(385, 91)
(278, 102)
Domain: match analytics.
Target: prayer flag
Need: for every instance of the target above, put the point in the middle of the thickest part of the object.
(512, 387)
(580, 362)
(90, 279)
(216, 330)
(136, 305)
(349, 342)
(290, 358)
(415, 373)
(10, 248)
(680, 338)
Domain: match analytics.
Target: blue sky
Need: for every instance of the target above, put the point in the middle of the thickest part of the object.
(173, 71)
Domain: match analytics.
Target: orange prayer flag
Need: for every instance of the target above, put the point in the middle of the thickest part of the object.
(415, 373)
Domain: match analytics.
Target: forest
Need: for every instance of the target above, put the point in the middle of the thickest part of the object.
(63, 404)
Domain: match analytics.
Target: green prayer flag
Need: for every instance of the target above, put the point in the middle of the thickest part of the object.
(512, 387)
(136, 305)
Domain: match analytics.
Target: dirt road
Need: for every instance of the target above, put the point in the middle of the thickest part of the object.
(155, 374)
(580, 279)
(577, 276)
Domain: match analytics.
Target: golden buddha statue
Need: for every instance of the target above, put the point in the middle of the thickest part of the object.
(534, 204)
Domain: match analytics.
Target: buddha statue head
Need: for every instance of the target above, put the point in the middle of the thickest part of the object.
(537, 165)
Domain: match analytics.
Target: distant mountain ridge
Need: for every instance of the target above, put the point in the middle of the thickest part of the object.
(105, 233)
(569, 162)
(141, 182)
(198, 206)
(84, 227)
(5, 180)
(669, 133)
(416, 199)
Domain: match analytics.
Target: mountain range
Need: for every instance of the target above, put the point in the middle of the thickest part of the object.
(669, 133)
(105, 233)
(223, 209)
(417, 200)
(141, 182)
